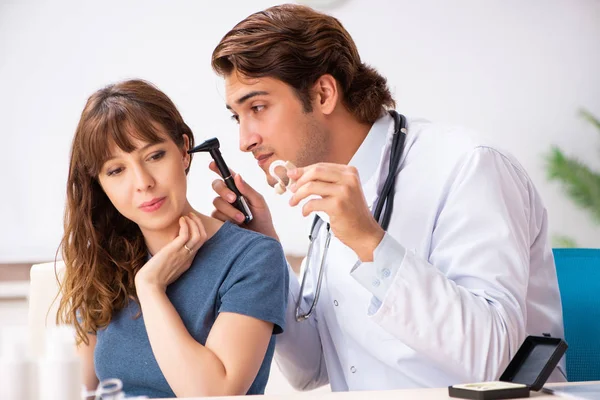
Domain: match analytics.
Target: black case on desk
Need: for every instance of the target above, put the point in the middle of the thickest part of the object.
(532, 365)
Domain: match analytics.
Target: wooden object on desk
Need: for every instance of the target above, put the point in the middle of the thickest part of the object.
(14, 282)
(14, 272)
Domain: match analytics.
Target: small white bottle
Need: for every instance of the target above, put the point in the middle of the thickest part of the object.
(60, 369)
(16, 368)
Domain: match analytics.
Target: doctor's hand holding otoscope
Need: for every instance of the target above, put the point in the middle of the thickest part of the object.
(244, 205)
(340, 197)
(212, 146)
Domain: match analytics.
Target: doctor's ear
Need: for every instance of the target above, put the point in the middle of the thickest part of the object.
(325, 94)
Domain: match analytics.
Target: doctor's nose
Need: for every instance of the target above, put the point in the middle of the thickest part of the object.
(249, 138)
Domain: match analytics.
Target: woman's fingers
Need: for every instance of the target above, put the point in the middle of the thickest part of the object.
(199, 232)
(194, 239)
(184, 233)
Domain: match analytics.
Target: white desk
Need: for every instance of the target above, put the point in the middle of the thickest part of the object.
(406, 394)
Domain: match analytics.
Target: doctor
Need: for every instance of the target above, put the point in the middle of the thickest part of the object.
(446, 290)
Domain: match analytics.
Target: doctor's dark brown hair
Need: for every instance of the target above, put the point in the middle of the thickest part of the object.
(102, 249)
(298, 45)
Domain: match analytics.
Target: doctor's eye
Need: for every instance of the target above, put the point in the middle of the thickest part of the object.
(257, 108)
(235, 118)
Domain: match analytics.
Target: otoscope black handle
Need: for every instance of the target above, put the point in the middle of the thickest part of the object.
(231, 185)
(212, 146)
(240, 201)
(221, 165)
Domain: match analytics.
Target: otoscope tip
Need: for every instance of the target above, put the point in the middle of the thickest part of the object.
(207, 145)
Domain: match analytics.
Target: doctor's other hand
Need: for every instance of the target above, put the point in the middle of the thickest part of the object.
(225, 211)
(170, 262)
(342, 199)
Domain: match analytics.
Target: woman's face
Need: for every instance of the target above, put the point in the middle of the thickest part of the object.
(148, 186)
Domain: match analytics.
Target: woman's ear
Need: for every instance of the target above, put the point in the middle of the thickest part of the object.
(326, 94)
(186, 147)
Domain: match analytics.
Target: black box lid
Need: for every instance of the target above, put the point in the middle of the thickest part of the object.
(534, 362)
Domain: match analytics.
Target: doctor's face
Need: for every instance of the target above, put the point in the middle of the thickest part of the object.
(273, 124)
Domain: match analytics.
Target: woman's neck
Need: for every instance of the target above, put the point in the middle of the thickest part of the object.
(156, 240)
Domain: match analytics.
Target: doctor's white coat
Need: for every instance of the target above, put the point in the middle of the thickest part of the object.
(464, 273)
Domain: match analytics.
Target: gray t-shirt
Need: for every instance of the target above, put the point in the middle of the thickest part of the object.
(237, 271)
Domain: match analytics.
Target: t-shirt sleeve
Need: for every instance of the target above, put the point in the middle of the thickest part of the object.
(257, 284)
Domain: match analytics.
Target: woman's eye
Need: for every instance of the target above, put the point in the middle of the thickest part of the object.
(157, 156)
(235, 118)
(115, 171)
(258, 108)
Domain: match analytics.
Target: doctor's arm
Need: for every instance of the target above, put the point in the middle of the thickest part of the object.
(464, 307)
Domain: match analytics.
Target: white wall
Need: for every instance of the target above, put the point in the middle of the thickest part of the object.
(514, 70)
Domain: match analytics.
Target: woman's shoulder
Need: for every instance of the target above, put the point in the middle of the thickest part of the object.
(240, 248)
(233, 237)
(254, 259)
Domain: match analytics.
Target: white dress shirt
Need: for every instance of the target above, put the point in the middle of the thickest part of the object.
(464, 273)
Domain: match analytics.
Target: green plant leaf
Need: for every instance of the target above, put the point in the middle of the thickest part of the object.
(578, 180)
(590, 118)
(561, 241)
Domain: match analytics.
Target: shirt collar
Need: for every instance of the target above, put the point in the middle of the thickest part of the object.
(368, 156)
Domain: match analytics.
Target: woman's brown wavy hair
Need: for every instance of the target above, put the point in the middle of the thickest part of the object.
(298, 45)
(102, 249)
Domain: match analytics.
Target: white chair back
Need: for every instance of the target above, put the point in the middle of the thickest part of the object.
(42, 309)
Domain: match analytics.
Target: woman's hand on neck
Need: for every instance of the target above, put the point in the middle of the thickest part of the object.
(156, 240)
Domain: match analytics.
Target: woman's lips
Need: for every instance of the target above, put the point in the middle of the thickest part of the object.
(153, 204)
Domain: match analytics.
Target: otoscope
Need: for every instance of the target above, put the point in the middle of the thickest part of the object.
(212, 146)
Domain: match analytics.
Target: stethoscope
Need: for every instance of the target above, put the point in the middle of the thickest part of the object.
(386, 199)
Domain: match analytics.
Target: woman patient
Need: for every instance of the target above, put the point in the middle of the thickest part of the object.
(170, 301)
